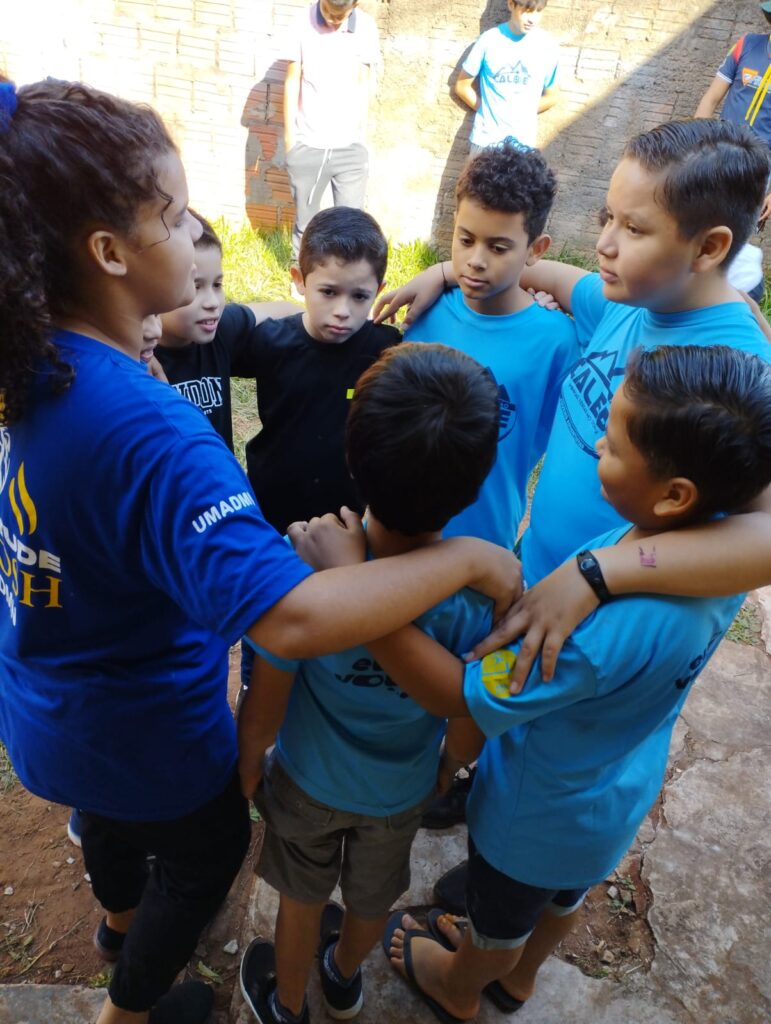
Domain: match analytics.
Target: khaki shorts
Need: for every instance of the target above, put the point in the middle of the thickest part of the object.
(309, 846)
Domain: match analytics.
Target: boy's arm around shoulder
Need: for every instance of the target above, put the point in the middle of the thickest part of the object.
(716, 559)
(246, 332)
(558, 279)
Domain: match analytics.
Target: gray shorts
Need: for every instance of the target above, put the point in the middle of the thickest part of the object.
(309, 846)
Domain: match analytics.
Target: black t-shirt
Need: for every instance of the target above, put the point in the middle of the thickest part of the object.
(296, 464)
(201, 373)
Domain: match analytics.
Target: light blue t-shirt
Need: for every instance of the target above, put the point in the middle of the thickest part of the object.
(567, 505)
(529, 354)
(132, 554)
(356, 742)
(571, 767)
(512, 73)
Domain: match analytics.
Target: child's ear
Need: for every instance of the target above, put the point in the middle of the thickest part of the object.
(108, 252)
(537, 249)
(680, 497)
(713, 248)
(298, 279)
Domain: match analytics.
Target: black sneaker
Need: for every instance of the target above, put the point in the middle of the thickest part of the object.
(342, 998)
(258, 983)
(108, 942)
(450, 890)
(450, 808)
(188, 1003)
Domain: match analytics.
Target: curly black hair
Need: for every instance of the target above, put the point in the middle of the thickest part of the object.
(71, 157)
(512, 179)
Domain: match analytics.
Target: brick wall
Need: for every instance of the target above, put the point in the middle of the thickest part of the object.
(214, 70)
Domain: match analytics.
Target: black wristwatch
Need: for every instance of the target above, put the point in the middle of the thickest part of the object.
(590, 569)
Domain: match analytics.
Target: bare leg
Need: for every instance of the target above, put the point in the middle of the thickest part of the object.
(454, 980)
(357, 937)
(297, 939)
(120, 922)
(110, 1014)
(547, 935)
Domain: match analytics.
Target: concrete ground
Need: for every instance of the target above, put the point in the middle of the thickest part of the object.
(706, 863)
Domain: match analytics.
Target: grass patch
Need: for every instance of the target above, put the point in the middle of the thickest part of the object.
(746, 629)
(7, 774)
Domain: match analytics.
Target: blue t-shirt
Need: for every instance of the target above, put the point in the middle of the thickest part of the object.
(352, 739)
(132, 555)
(567, 505)
(571, 767)
(512, 72)
(529, 354)
(744, 68)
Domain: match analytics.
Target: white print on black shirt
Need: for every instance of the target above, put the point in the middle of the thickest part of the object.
(225, 507)
(205, 392)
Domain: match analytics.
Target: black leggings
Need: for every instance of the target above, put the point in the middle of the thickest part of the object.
(196, 859)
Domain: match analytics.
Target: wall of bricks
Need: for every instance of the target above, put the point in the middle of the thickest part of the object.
(214, 70)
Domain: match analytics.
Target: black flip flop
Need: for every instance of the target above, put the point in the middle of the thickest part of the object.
(394, 922)
(495, 992)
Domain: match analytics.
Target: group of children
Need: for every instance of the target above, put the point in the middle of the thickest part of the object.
(133, 558)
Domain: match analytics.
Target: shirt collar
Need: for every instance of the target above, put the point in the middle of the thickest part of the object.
(350, 24)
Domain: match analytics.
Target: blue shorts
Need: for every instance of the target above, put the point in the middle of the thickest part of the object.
(502, 912)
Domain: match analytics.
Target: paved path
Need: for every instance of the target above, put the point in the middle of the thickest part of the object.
(706, 863)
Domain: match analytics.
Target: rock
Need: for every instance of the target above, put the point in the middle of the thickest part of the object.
(613, 892)
(607, 957)
(87, 878)
(68, 968)
(8, 891)
(231, 947)
(70, 860)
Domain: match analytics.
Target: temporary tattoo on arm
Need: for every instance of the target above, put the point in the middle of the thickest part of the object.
(647, 558)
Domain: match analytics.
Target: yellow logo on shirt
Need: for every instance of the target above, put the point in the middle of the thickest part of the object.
(29, 575)
(496, 672)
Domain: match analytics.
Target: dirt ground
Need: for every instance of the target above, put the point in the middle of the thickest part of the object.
(48, 915)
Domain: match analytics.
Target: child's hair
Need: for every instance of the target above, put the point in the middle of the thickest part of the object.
(716, 174)
(511, 179)
(70, 158)
(531, 5)
(346, 234)
(209, 238)
(703, 412)
(422, 435)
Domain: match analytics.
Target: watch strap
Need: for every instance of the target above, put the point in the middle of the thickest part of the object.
(590, 569)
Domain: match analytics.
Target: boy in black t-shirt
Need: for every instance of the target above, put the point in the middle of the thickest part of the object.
(207, 342)
(308, 365)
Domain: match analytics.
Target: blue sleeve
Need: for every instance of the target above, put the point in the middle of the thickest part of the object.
(205, 543)
(588, 306)
(730, 65)
(495, 711)
(472, 65)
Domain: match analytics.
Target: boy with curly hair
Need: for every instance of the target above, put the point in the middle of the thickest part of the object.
(503, 199)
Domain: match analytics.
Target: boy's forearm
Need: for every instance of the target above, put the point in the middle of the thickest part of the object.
(276, 310)
(558, 279)
(425, 670)
(465, 91)
(716, 559)
(549, 98)
(339, 608)
(464, 741)
(711, 99)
